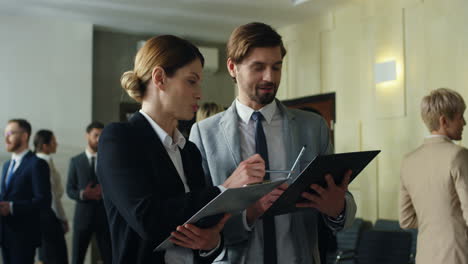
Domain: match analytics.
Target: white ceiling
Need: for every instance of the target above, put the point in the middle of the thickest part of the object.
(209, 20)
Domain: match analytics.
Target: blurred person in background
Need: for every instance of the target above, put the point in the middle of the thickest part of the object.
(54, 223)
(24, 194)
(83, 186)
(434, 183)
(208, 109)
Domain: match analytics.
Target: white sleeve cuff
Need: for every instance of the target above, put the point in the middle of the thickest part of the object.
(205, 254)
(220, 256)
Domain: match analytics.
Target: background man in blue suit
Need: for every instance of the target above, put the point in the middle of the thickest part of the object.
(257, 123)
(24, 192)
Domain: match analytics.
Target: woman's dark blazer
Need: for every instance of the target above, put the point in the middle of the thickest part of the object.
(143, 194)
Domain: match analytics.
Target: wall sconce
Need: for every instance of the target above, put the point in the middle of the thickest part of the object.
(385, 71)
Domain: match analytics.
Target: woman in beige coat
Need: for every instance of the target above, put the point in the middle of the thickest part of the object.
(434, 183)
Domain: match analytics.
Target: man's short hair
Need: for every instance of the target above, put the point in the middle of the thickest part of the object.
(441, 102)
(43, 136)
(253, 35)
(23, 124)
(93, 125)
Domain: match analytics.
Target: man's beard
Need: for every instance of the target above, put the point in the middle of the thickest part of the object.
(14, 147)
(93, 147)
(266, 98)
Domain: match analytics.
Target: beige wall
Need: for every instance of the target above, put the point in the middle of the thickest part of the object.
(337, 53)
(46, 71)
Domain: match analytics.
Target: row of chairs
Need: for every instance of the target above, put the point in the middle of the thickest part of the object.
(383, 243)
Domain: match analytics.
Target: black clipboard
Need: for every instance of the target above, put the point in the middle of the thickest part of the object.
(335, 164)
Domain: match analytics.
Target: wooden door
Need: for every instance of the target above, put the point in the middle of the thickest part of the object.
(322, 104)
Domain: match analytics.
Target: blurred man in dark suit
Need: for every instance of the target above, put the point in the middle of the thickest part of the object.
(24, 193)
(84, 188)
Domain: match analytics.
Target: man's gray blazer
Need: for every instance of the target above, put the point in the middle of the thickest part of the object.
(218, 140)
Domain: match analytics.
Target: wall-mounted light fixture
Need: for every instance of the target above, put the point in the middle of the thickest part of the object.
(385, 71)
(298, 2)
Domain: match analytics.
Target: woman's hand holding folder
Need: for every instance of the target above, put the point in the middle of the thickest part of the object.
(193, 237)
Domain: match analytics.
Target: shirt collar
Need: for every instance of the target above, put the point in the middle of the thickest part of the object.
(44, 156)
(245, 112)
(179, 140)
(437, 136)
(89, 155)
(18, 157)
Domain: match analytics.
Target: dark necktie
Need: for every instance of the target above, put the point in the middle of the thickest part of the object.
(92, 172)
(269, 233)
(9, 175)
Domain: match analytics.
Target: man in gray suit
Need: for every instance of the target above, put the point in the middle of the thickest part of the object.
(257, 123)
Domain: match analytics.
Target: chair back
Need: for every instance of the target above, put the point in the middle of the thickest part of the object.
(348, 238)
(387, 225)
(347, 241)
(384, 247)
(393, 225)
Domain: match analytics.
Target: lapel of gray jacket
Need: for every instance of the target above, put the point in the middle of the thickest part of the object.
(292, 148)
(230, 129)
(291, 142)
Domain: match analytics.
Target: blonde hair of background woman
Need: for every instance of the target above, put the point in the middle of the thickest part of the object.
(207, 110)
(441, 102)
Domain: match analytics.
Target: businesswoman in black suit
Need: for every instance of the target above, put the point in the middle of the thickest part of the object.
(151, 177)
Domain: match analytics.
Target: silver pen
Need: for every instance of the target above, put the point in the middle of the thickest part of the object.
(294, 165)
(296, 161)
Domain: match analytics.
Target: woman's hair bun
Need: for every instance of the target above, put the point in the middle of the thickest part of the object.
(132, 84)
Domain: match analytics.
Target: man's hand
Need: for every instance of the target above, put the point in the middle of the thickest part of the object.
(329, 201)
(190, 236)
(260, 207)
(4, 208)
(92, 193)
(65, 226)
(251, 170)
(98, 190)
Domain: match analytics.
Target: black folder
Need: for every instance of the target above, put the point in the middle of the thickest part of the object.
(314, 173)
